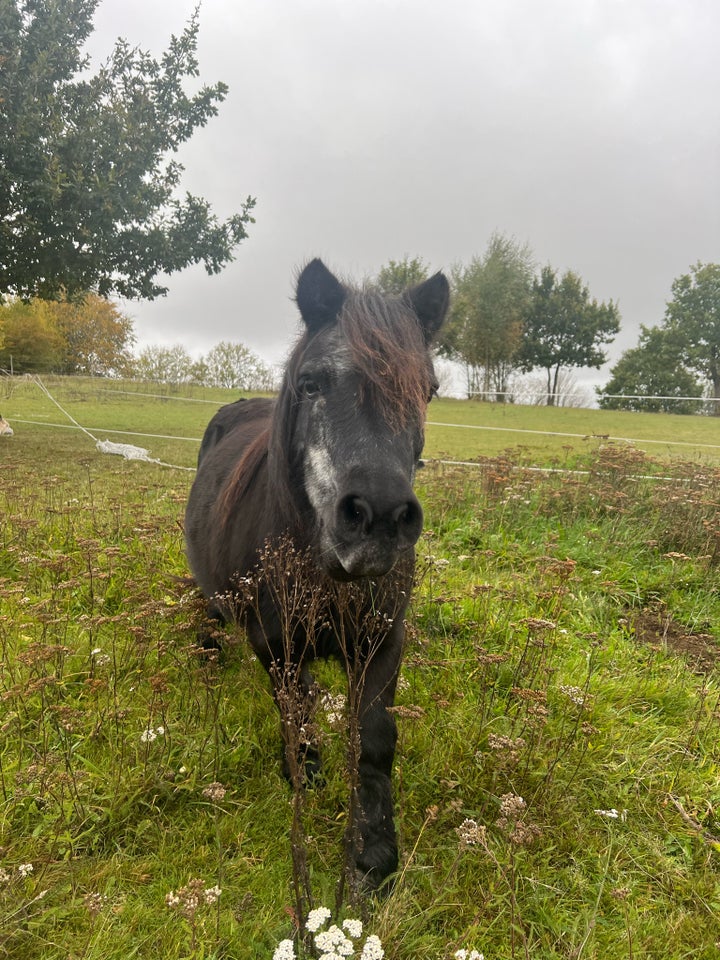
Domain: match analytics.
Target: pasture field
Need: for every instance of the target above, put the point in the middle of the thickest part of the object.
(457, 429)
(557, 778)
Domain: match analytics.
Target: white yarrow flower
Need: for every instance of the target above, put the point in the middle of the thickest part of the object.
(285, 950)
(354, 928)
(149, 735)
(316, 918)
(612, 814)
(373, 949)
(333, 940)
(334, 943)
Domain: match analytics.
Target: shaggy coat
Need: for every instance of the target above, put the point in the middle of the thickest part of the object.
(316, 486)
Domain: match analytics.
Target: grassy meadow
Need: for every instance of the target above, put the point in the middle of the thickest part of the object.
(557, 779)
(457, 429)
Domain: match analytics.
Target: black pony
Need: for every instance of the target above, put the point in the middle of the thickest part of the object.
(329, 466)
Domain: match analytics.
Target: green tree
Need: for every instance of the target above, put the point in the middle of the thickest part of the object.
(234, 366)
(97, 336)
(651, 378)
(89, 336)
(491, 297)
(398, 275)
(692, 317)
(30, 341)
(89, 188)
(565, 327)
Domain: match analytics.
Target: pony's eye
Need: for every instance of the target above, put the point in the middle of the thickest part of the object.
(309, 387)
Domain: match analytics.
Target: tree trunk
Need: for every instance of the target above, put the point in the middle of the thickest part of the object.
(556, 381)
(715, 379)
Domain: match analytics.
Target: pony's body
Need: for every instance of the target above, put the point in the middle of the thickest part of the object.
(5, 429)
(328, 467)
(218, 553)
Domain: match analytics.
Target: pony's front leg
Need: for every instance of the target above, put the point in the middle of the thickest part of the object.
(374, 841)
(295, 695)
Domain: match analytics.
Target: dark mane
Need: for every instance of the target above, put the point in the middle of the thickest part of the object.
(242, 477)
(388, 349)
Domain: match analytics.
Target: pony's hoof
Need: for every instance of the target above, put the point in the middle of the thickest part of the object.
(375, 870)
(373, 883)
(308, 768)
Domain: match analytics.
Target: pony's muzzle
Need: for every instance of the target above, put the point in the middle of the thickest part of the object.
(373, 532)
(358, 519)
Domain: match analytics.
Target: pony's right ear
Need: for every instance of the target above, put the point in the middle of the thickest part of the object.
(319, 296)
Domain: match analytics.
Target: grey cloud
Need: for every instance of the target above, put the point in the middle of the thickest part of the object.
(370, 130)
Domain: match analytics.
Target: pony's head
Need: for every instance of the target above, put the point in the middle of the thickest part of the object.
(350, 417)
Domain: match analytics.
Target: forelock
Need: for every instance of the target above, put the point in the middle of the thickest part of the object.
(388, 351)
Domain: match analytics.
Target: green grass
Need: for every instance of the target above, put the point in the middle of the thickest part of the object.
(457, 429)
(531, 671)
(557, 433)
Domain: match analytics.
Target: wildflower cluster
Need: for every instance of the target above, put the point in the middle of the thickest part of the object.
(215, 792)
(23, 871)
(94, 903)
(470, 833)
(512, 821)
(507, 749)
(188, 899)
(99, 658)
(613, 814)
(150, 734)
(333, 942)
(574, 694)
(334, 706)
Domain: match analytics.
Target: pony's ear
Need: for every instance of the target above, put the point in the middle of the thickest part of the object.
(430, 301)
(319, 296)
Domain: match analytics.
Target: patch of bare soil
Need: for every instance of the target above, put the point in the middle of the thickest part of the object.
(658, 630)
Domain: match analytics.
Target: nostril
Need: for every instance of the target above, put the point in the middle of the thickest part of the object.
(360, 519)
(407, 515)
(356, 513)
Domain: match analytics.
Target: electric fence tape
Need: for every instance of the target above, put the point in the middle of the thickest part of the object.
(126, 450)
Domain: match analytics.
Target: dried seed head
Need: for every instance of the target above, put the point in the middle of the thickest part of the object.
(470, 833)
(215, 792)
(94, 902)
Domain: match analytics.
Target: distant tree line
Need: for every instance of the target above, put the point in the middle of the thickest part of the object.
(91, 337)
(507, 318)
(228, 364)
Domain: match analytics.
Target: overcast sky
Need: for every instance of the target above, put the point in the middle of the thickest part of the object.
(374, 129)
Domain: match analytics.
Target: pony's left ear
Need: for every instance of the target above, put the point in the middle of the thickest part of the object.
(430, 301)
(319, 296)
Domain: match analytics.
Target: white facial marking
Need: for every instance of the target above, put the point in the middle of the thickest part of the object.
(320, 477)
